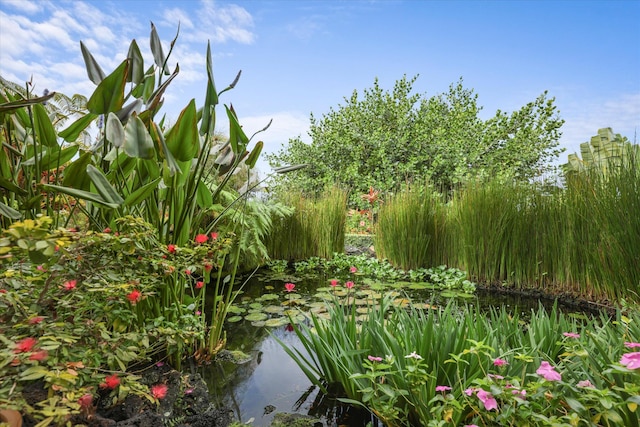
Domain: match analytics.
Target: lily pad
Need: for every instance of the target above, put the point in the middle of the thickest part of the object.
(256, 317)
(273, 309)
(276, 322)
(234, 319)
(255, 306)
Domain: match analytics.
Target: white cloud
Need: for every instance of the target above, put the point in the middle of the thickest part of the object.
(172, 16)
(25, 6)
(221, 24)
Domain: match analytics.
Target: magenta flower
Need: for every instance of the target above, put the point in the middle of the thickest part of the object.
(443, 388)
(334, 282)
(289, 287)
(353, 270)
(374, 358)
(349, 284)
(487, 400)
(519, 393)
(500, 362)
(571, 335)
(548, 372)
(631, 360)
(632, 344)
(469, 391)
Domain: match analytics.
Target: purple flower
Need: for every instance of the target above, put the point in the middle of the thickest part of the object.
(487, 400)
(631, 360)
(548, 372)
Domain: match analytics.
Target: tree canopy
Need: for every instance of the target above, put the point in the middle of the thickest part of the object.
(383, 139)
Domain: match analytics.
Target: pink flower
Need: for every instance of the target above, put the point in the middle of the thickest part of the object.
(585, 384)
(159, 391)
(469, 391)
(198, 313)
(25, 345)
(85, 401)
(199, 285)
(40, 268)
(39, 355)
(571, 335)
(632, 344)
(110, 382)
(471, 425)
(519, 393)
(36, 320)
(362, 223)
(201, 238)
(69, 285)
(334, 282)
(134, 296)
(374, 358)
(187, 272)
(171, 248)
(349, 284)
(289, 287)
(214, 236)
(442, 388)
(353, 270)
(500, 362)
(487, 400)
(548, 372)
(631, 360)
(495, 377)
(106, 230)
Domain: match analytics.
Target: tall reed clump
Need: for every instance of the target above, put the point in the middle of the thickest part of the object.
(316, 227)
(602, 208)
(410, 231)
(464, 367)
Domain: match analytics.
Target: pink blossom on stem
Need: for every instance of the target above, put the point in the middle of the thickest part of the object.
(548, 372)
(631, 360)
(487, 400)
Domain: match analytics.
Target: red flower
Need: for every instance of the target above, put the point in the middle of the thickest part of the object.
(214, 236)
(199, 285)
(289, 287)
(25, 345)
(349, 284)
(334, 282)
(171, 249)
(3, 291)
(187, 272)
(353, 270)
(39, 355)
(134, 296)
(36, 320)
(159, 391)
(85, 401)
(110, 382)
(69, 285)
(201, 238)
(106, 230)
(208, 267)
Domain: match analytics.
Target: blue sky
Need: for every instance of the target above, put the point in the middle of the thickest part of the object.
(301, 57)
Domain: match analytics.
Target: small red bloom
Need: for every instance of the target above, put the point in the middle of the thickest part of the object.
(39, 355)
(349, 284)
(187, 272)
(289, 287)
(159, 391)
(69, 285)
(208, 267)
(85, 401)
(171, 249)
(36, 320)
(25, 345)
(353, 270)
(214, 236)
(110, 382)
(106, 230)
(134, 296)
(199, 285)
(334, 282)
(201, 238)
(3, 291)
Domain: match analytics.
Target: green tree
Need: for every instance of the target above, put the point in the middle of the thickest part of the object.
(383, 139)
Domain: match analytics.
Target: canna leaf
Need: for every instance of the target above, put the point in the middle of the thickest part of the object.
(156, 48)
(141, 193)
(183, 140)
(9, 212)
(114, 130)
(210, 99)
(52, 159)
(255, 154)
(103, 186)
(136, 71)
(71, 133)
(14, 105)
(44, 128)
(109, 95)
(95, 73)
(237, 137)
(138, 142)
(75, 175)
(80, 194)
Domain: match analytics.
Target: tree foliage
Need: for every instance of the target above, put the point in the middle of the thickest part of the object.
(385, 138)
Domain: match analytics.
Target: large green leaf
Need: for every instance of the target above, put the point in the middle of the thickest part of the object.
(44, 128)
(156, 47)
(138, 142)
(114, 131)
(183, 139)
(8, 185)
(80, 194)
(136, 71)
(54, 158)
(103, 186)
(71, 133)
(210, 99)
(237, 137)
(95, 73)
(8, 212)
(203, 195)
(255, 154)
(14, 105)
(109, 95)
(75, 175)
(141, 193)
(157, 136)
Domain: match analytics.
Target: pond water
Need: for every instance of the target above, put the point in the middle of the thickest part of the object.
(270, 382)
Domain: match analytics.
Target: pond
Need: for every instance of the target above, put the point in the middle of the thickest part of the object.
(270, 382)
